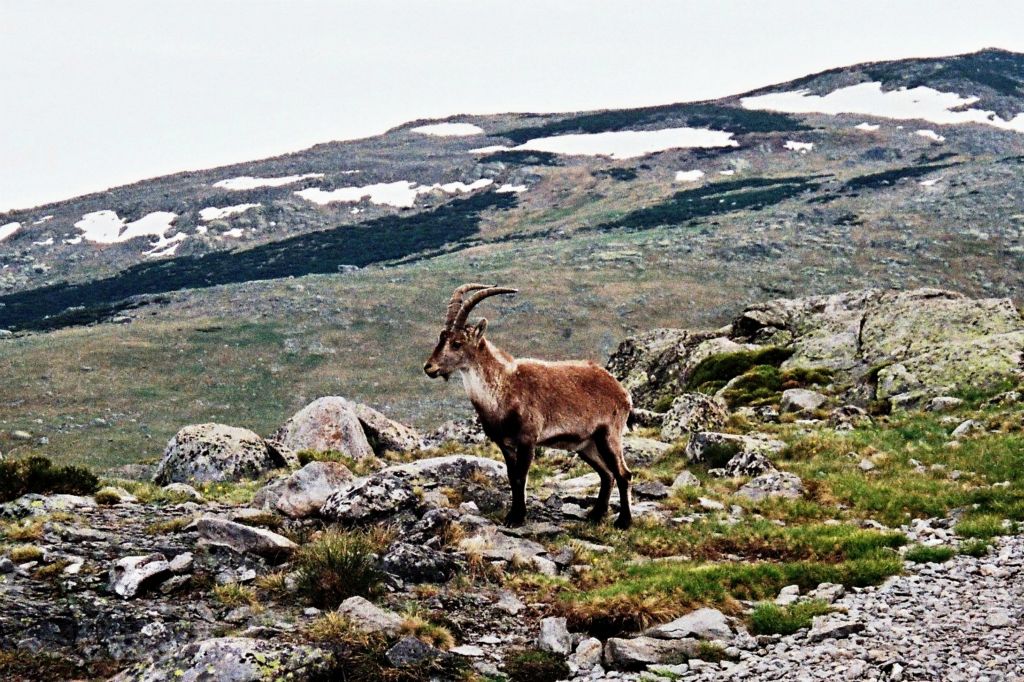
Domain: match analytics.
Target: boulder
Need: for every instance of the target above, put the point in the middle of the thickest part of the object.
(232, 659)
(772, 484)
(384, 434)
(130, 575)
(848, 417)
(801, 401)
(703, 624)
(832, 627)
(326, 424)
(304, 492)
(554, 636)
(716, 449)
(370, 498)
(410, 651)
(463, 432)
(639, 451)
(637, 652)
(943, 403)
(745, 463)
(34, 504)
(685, 479)
(370, 618)
(215, 452)
(245, 539)
(967, 427)
(693, 412)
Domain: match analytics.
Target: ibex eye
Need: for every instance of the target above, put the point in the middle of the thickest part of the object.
(456, 345)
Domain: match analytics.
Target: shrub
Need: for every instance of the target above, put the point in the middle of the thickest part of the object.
(771, 619)
(533, 665)
(107, 497)
(233, 594)
(25, 553)
(37, 474)
(923, 554)
(339, 565)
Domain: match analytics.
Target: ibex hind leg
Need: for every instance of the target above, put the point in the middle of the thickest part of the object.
(592, 456)
(609, 446)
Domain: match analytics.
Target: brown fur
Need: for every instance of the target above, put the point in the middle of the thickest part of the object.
(525, 403)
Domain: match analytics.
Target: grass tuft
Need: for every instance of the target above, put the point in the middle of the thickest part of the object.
(534, 665)
(771, 619)
(923, 554)
(338, 565)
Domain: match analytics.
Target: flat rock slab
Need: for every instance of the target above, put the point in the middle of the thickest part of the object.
(245, 539)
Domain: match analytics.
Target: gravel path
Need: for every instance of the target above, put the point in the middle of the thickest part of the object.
(961, 621)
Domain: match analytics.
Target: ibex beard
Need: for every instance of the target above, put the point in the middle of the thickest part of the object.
(525, 403)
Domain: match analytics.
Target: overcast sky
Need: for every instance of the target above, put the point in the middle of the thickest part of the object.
(100, 93)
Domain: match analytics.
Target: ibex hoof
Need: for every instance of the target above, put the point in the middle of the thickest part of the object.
(623, 522)
(514, 519)
(596, 514)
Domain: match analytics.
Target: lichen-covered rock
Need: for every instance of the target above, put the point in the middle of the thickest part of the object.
(328, 423)
(693, 412)
(703, 624)
(245, 539)
(418, 563)
(216, 452)
(304, 492)
(34, 504)
(461, 431)
(554, 636)
(232, 659)
(772, 484)
(370, 498)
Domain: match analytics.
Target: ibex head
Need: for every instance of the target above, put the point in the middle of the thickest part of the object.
(458, 344)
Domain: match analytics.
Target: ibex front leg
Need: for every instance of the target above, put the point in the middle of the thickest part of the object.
(517, 462)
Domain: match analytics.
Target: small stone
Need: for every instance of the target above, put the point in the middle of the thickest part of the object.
(943, 403)
(181, 563)
(588, 653)
(866, 465)
(411, 651)
(703, 623)
(999, 618)
(468, 650)
(132, 574)
(788, 595)
(685, 479)
(709, 504)
(370, 618)
(966, 428)
(828, 627)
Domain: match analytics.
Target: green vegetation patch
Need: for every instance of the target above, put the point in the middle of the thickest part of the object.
(717, 117)
(534, 665)
(771, 619)
(715, 371)
(924, 554)
(711, 199)
(37, 474)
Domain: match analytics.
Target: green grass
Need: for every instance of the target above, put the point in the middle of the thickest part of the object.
(771, 619)
(534, 665)
(923, 554)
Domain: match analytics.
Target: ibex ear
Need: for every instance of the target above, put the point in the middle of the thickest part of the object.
(480, 328)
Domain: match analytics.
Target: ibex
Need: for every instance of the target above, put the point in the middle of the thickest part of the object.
(525, 403)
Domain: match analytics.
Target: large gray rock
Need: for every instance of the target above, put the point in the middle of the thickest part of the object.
(232, 659)
(370, 618)
(703, 624)
(801, 401)
(386, 434)
(693, 412)
(326, 424)
(554, 636)
(370, 498)
(34, 504)
(132, 574)
(637, 652)
(418, 563)
(304, 492)
(463, 432)
(245, 539)
(216, 452)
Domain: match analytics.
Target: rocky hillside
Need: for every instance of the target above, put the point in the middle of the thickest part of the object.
(825, 486)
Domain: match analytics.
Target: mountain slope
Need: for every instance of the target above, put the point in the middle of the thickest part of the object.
(767, 203)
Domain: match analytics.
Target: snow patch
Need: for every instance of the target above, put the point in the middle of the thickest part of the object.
(8, 229)
(802, 147)
(449, 129)
(924, 103)
(234, 233)
(166, 247)
(689, 176)
(628, 144)
(213, 213)
(401, 194)
(490, 150)
(249, 182)
(931, 135)
(868, 127)
(105, 227)
(506, 188)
